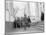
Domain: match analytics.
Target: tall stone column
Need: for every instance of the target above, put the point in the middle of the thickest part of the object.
(11, 18)
(35, 11)
(39, 7)
(32, 11)
(7, 11)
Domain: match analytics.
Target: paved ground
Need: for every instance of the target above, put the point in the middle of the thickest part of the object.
(36, 28)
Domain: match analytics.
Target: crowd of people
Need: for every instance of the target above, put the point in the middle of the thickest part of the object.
(23, 22)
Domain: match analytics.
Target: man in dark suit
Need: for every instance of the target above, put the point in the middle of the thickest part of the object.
(42, 16)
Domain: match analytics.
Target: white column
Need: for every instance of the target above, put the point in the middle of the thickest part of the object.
(11, 12)
(39, 11)
(35, 12)
(7, 11)
(32, 11)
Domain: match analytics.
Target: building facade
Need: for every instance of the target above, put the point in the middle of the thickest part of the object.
(16, 9)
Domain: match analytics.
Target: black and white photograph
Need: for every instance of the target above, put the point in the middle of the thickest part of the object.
(24, 17)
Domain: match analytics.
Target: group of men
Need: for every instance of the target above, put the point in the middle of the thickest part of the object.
(23, 22)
